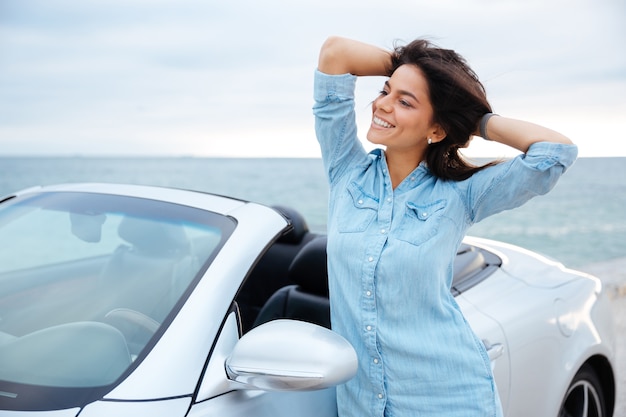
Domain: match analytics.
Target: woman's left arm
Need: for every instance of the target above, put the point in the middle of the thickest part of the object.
(519, 134)
(547, 155)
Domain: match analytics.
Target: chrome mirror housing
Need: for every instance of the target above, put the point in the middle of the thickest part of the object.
(290, 355)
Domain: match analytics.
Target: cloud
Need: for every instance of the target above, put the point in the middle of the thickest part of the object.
(117, 76)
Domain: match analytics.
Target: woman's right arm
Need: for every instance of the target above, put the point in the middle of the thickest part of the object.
(346, 56)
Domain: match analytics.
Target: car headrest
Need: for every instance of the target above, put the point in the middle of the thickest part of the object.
(87, 226)
(309, 269)
(152, 237)
(299, 227)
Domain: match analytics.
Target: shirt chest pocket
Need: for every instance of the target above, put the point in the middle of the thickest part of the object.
(357, 210)
(420, 222)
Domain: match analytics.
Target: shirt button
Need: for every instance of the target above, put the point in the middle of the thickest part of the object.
(368, 293)
(371, 259)
(383, 231)
(368, 328)
(360, 201)
(424, 214)
(412, 178)
(389, 199)
(380, 396)
(375, 360)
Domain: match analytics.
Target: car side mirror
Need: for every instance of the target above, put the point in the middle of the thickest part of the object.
(290, 355)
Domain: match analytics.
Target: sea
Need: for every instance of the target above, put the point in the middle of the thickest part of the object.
(582, 221)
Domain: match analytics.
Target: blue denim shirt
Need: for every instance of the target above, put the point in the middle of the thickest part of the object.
(390, 266)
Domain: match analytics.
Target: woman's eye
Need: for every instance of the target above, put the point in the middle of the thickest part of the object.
(382, 93)
(405, 103)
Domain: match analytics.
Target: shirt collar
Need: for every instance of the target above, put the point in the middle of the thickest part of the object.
(412, 180)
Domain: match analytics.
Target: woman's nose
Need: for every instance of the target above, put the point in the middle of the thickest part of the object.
(383, 103)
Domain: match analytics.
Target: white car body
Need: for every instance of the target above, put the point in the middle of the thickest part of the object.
(551, 321)
(540, 321)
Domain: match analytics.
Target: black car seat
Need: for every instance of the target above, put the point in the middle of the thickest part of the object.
(307, 299)
(271, 272)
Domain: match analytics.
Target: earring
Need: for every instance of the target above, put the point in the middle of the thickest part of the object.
(430, 141)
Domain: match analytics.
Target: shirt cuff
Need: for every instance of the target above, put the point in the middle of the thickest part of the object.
(333, 87)
(545, 155)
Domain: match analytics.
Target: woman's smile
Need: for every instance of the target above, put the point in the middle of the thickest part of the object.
(378, 122)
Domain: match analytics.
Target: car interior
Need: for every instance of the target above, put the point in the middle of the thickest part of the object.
(291, 279)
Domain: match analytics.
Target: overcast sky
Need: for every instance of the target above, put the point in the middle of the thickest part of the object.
(234, 78)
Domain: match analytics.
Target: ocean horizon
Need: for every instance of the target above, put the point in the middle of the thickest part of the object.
(581, 221)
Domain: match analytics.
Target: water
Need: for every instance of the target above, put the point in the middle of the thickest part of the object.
(582, 221)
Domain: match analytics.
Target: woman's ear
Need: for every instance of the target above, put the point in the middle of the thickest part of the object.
(438, 133)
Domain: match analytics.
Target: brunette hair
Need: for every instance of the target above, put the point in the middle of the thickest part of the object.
(458, 99)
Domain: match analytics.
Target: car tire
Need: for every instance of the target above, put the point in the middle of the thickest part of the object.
(584, 396)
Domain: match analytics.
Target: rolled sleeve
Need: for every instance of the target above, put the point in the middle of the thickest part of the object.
(333, 88)
(545, 155)
(335, 124)
(510, 184)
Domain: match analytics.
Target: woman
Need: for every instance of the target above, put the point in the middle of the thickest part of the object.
(397, 217)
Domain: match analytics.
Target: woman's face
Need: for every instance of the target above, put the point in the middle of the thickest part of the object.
(402, 113)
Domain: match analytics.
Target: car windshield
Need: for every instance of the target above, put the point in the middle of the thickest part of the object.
(89, 281)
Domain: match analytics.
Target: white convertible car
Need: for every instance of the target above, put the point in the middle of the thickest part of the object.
(120, 300)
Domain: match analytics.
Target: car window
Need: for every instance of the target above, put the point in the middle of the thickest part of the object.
(89, 281)
(42, 237)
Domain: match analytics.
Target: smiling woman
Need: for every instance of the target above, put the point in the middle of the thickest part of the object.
(397, 216)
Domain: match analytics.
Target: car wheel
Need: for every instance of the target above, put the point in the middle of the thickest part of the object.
(584, 397)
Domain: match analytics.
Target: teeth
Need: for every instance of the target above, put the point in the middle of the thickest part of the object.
(381, 123)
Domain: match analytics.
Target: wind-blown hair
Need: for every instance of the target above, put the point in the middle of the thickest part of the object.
(458, 99)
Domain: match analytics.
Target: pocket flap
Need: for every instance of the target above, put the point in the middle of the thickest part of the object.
(424, 211)
(360, 198)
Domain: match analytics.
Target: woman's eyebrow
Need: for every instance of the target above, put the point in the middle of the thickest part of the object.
(403, 92)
